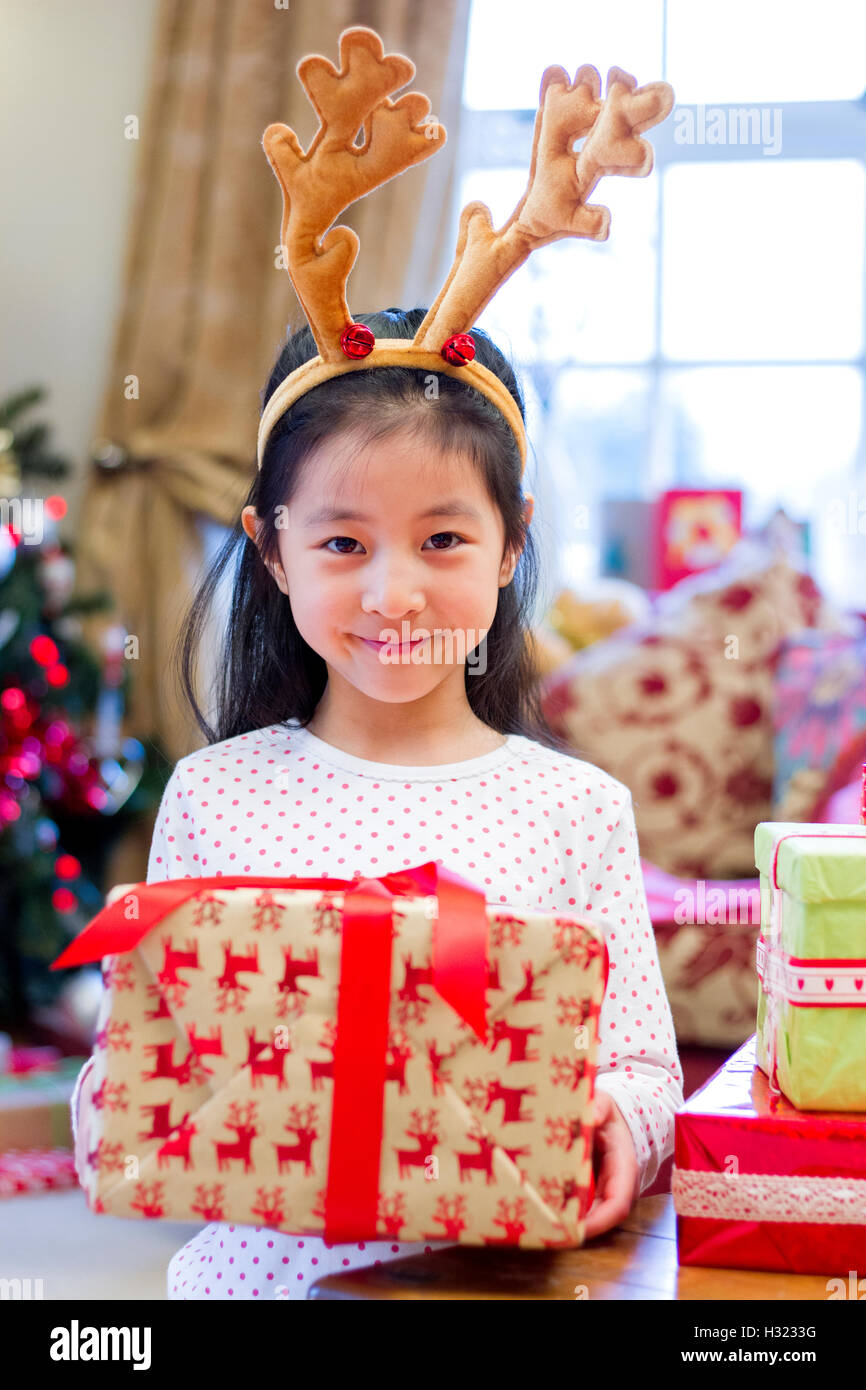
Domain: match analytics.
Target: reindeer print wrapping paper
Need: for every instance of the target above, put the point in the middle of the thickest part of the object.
(214, 1072)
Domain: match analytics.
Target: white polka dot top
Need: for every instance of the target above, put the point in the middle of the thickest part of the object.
(532, 827)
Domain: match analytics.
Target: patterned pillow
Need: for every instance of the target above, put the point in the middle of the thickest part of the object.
(679, 709)
(819, 713)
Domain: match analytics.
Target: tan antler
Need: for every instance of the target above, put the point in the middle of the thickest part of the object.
(560, 182)
(334, 172)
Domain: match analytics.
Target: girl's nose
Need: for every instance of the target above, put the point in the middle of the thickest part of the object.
(393, 592)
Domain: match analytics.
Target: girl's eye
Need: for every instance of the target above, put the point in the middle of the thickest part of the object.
(454, 536)
(340, 538)
(437, 535)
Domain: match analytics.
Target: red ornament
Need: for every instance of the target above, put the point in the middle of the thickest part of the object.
(13, 699)
(357, 340)
(43, 650)
(63, 900)
(67, 866)
(57, 675)
(459, 350)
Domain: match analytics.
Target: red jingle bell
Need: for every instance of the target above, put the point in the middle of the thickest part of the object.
(357, 340)
(459, 350)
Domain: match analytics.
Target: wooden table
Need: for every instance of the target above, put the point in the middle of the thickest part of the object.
(637, 1260)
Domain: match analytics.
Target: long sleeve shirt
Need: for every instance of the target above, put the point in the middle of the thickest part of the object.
(534, 828)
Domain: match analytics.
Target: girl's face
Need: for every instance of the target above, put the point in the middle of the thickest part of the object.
(392, 559)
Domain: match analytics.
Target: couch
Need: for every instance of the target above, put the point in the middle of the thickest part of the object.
(741, 698)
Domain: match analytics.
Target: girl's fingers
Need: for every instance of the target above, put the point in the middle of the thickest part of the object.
(608, 1210)
(615, 1181)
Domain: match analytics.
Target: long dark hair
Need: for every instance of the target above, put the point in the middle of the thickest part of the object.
(268, 673)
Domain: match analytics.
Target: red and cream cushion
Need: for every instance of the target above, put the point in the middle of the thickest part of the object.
(679, 709)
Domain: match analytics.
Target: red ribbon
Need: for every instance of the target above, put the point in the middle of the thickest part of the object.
(460, 972)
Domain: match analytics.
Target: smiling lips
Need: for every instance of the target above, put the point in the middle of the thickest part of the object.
(391, 646)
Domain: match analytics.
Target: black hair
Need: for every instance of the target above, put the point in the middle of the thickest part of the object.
(269, 673)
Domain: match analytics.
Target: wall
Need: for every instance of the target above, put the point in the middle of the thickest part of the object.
(69, 75)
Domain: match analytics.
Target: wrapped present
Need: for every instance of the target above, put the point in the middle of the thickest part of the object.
(359, 1059)
(19, 1060)
(759, 1184)
(695, 528)
(34, 1106)
(811, 960)
(36, 1170)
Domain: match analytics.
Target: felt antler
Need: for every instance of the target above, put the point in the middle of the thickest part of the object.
(319, 184)
(334, 172)
(555, 202)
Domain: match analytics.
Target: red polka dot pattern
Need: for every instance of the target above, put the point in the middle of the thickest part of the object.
(533, 827)
(253, 1262)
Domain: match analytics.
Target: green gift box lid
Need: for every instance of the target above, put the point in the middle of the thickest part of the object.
(832, 869)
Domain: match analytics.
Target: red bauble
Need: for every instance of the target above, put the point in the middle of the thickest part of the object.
(63, 900)
(57, 674)
(43, 650)
(357, 340)
(67, 866)
(13, 699)
(459, 350)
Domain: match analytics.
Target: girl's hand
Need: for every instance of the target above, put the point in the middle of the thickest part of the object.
(615, 1166)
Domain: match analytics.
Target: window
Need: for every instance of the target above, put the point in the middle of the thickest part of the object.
(718, 335)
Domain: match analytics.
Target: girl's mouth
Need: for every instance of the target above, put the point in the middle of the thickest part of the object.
(395, 647)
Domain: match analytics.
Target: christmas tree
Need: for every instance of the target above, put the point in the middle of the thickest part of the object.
(70, 782)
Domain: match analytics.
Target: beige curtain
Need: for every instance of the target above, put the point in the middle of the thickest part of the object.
(204, 306)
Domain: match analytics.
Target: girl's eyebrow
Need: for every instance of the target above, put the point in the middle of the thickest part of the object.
(447, 508)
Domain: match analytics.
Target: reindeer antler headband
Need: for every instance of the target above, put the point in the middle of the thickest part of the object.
(334, 172)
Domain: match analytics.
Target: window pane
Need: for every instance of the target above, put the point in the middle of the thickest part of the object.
(777, 432)
(511, 43)
(595, 446)
(777, 50)
(748, 273)
(575, 299)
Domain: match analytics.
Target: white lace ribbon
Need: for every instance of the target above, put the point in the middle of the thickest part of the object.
(815, 982)
(769, 1197)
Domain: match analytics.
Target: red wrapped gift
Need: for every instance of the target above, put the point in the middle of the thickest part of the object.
(759, 1184)
(35, 1170)
(362, 1059)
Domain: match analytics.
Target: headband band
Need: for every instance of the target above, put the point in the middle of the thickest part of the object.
(390, 352)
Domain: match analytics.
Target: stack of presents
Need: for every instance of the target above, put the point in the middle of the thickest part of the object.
(35, 1134)
(395, 1057)
(770, 1158)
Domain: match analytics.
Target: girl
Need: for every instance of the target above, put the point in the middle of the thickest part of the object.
(377, 707)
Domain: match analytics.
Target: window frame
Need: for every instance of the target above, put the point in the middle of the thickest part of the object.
(825, 130)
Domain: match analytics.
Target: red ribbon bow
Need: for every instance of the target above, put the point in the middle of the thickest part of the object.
(460, 974)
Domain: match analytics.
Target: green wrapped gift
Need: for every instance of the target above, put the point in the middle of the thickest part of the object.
(811, 962)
